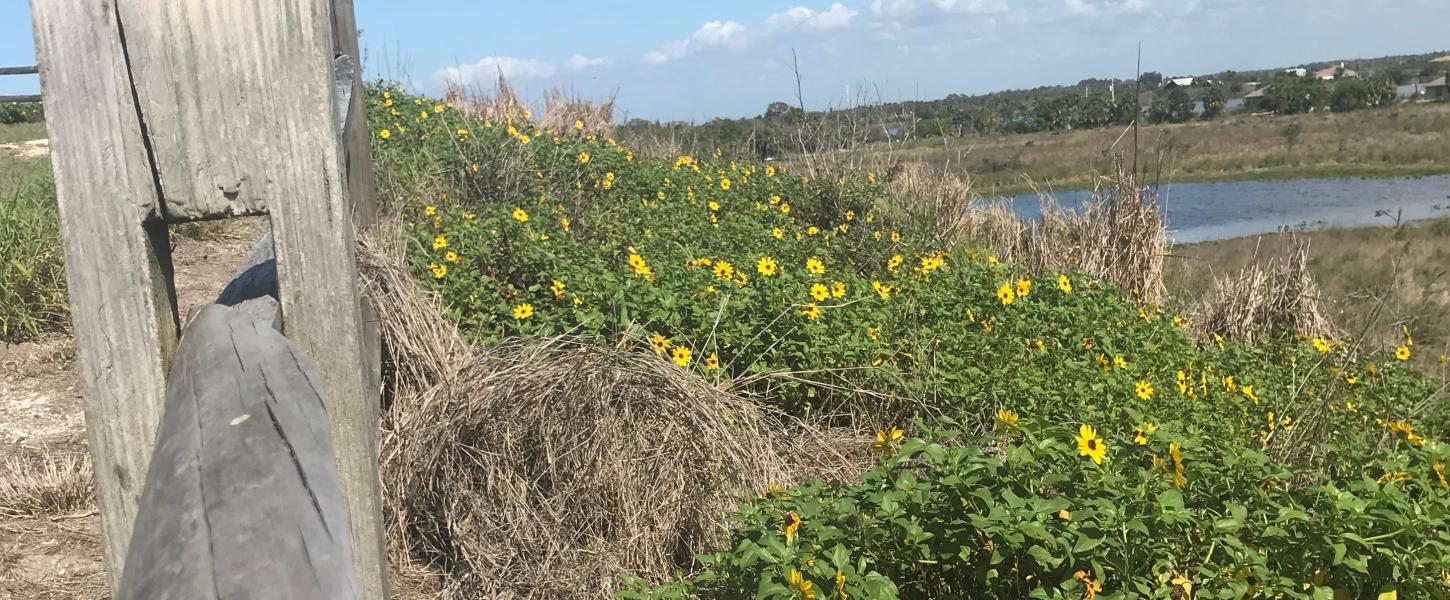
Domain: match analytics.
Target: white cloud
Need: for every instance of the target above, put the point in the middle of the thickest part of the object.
(714, 33)
(919, 8)
(719, 33)
(1097, 7)
(836, 16)
(579, 62)
(490, 67)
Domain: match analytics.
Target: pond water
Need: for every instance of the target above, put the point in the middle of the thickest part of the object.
(1199, 212)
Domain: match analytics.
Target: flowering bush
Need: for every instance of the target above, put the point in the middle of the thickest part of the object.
(1032, 512)
(1174, 460)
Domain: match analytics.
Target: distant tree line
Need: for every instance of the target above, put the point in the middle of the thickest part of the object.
(785, 128)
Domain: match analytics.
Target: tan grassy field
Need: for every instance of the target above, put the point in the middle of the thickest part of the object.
(1403, 140)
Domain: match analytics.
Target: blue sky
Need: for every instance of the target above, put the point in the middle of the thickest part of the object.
(697, 60)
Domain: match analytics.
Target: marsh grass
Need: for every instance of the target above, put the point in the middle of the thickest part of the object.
(32, 269)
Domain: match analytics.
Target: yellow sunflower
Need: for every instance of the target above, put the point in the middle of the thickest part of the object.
(838, 290)
(1402, 353)
(523, 311)
(723, 270)
(814, 266)
(819, 292)
(681, 356)
(659, 343)
(1144, 390)
(1005, 294)
(1064, 284)
(791, 526)
(1024, 287)
(520, 215)
(811, 311)
(1090, 445)
(1009, 419)
(767, 266)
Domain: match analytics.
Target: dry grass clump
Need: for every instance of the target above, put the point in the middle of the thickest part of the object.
(502, 105)
(545, 468)
(574, 114)
(1278, 296)
(940, 201)
(1118, 236)
(45, 484)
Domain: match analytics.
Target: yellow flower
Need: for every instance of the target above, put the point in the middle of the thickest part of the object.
(385, 134)
(583, 158)
(1008, 419)
(723, 270)
(1178, 478)
(777, 233)
(785, 208)
(439, 271)
(838, 289)
(1024, 287)
(874, 333)
(843, 228)
(819, 292)
(814, 266)
(893, 262)
(523, 311)
(558, 289)
(451, 256)
(1144, 390)
(1090, 588)
(790, 527)
(896, 236)
(520, 215)
(1248, 391)
(430, 210)
(681, 356)
(1141, 433)
(714, 205)
(659, 343)
(640, 267)
(724, 183)
(1064, 284)
(1120, 362)
(811, 311)
(438, 108)
(712, 362)
(564, 223)
(440, 242)
(1351, 378)
(1321, 345)
(767, 267)
(884, 291)
(1090, 445)
(463, 133)
(1402, 353)
(1005, 294)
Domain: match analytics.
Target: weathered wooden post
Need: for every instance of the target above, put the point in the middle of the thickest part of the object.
(167, 111)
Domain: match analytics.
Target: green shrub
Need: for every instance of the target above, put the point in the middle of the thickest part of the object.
(1024, 514)
(20, 112)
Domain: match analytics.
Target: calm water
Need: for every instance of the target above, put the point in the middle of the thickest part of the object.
(1211, 211)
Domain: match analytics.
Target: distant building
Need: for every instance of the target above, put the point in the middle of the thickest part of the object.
(1435, 89)
(1177, 82)
(1441, 59)
(1254, 101)
(1298, 71)
(1333, 72)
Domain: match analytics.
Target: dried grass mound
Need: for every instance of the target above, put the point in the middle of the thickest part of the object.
(545, 468)
(938, 200)
(1276, 297)
(577, 116)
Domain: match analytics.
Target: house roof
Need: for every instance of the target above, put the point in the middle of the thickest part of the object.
(1445, 58)
(1179, 81)
(1331, 72)
(1259, 93)
(1436, 82)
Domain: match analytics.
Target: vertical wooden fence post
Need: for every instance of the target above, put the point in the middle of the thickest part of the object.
(117, 253)
(166, 111)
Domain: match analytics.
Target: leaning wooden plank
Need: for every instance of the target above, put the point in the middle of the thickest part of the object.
(356, 136)
(117, 268)
(242, 499)
(19, 70)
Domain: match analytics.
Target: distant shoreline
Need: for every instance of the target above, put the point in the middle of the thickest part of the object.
(1082, 183)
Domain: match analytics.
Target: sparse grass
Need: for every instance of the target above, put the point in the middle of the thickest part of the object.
(21, 132)
(1402, 141)
(32, 270)
(1371, 278)
(45, 484)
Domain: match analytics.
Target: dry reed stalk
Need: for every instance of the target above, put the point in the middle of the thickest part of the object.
(577, 116)
(1274, 298)
(502, 105)
(545, 468)
(1117, 236)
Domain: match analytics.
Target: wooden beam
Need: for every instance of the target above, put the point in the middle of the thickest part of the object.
(28, 98)
(31, 70)
(118, 263)
(242, 500)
